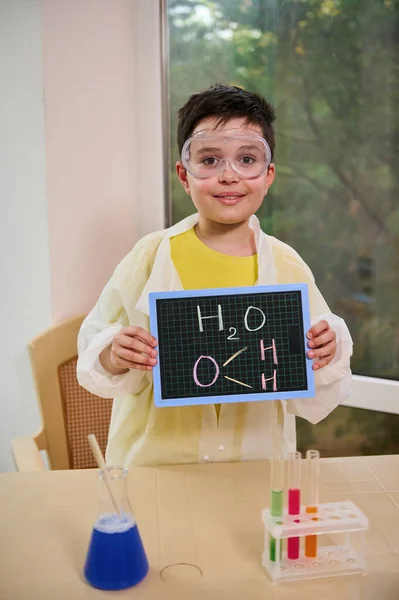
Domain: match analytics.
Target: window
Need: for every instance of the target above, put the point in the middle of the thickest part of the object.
(331, 69)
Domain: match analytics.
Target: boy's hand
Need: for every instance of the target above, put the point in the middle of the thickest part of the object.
(322, 341)
(132, 348)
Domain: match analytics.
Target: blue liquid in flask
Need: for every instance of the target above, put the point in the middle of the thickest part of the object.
(116, 558)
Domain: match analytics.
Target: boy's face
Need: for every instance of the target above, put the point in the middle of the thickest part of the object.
(226, 197)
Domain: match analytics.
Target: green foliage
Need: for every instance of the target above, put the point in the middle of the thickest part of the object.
(351, 432)
(331, 68)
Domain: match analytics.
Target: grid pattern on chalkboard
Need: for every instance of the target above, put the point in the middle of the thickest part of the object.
(181, 343)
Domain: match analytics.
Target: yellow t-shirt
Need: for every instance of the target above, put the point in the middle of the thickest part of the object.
(201, 267)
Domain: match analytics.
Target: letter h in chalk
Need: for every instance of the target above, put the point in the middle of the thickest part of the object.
(219, 316)
(275, 361)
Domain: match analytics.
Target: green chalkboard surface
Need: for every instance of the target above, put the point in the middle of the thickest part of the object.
(231, 345)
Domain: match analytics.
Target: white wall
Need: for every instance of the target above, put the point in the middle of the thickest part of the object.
(25, 303)
(88, 81)
(80, 142)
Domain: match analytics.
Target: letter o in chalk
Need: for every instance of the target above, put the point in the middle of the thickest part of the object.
(195, 371)
(246, 318)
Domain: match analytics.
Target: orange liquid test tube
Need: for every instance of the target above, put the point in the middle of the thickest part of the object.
(312, 500)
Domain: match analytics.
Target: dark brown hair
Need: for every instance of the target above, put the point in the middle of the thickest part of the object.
(225, 102)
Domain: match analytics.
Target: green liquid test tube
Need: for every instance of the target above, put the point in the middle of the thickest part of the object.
(276, 510)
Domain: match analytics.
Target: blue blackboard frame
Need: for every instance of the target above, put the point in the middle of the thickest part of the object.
(251, 397)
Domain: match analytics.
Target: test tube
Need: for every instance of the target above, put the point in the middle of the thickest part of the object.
(312, 499)
(276, 510)
(294, 499)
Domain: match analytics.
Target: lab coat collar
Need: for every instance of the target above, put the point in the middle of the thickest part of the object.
(164, 277)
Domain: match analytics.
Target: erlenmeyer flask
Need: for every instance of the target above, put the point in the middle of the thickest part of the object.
(116, 558)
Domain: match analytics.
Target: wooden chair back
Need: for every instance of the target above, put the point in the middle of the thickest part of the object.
(69, 412)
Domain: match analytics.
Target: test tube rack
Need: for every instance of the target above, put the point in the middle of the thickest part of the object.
(331, 560)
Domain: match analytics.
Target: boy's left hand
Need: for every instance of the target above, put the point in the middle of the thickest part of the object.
(322, 341)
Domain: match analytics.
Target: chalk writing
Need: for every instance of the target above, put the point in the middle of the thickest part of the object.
(219, 316)
(270, 379)
(195, 371)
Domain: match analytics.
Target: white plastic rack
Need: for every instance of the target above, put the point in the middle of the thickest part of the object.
(331, 560)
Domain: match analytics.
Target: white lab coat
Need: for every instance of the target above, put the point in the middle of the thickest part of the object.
(140, 433)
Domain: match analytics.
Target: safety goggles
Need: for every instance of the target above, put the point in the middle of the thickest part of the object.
(207, 153)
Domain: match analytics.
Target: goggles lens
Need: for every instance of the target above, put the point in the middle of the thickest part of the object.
(206, 153)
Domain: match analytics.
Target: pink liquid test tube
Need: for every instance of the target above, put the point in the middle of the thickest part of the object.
(294, 499)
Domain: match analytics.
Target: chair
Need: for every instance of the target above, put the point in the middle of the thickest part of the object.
(69, 412)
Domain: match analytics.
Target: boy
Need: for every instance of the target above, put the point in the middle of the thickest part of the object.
(226, 140)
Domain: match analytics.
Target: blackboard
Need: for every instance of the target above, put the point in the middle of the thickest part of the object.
(231, 345)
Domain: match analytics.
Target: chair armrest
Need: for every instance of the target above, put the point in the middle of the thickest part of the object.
(26, 454)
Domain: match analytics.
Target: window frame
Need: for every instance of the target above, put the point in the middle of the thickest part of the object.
(149, 118)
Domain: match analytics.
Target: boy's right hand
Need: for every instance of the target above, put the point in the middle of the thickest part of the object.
(132, 348)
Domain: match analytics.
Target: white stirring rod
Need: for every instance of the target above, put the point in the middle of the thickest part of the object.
(98, 455)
